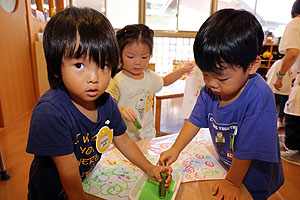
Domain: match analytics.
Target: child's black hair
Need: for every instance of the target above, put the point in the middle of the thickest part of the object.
(134, 33)
(228, 36)
(97, 40)
(296, 9)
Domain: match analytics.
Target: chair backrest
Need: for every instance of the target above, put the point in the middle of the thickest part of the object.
(151, 66)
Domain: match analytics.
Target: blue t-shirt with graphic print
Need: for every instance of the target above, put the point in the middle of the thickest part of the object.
(58, 128)
(245, 129)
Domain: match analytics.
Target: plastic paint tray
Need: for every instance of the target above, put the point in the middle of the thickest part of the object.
(135, 191)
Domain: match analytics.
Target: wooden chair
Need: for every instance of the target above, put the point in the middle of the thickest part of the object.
(158, 99)
(174, 90)
(165, 94)
(151, 66)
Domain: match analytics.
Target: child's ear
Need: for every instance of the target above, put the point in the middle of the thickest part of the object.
(254, 65)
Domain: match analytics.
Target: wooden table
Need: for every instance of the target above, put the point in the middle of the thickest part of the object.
(174, 90)
(196, 190)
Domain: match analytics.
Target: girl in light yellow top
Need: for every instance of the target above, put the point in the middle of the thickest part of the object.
(134, 86)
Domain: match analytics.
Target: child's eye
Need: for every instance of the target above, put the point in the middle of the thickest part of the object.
(145, 57)
(104, 67)
(130, 57)
(79, 65)
(225, 79)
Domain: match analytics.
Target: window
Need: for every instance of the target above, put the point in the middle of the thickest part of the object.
(181, 21)
(161, 14)
(272, 14)
(175, 16)
(165, 15)
(122, 12)
(119, 12)
(96, 4)
(176, 21)
(168, 49)
(168, 15)
(192, 14)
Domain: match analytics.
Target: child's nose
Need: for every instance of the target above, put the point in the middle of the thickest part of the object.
(93, 76)
(211, 84)
(137, 61)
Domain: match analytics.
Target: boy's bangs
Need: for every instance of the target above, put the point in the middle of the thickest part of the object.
(96, 49)
(100, 45)
(74, 47)
(212, 60)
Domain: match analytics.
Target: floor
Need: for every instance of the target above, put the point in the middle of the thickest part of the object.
(13, 143)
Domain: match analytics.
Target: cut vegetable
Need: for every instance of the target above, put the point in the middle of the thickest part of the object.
(162, 188)
(137, 124)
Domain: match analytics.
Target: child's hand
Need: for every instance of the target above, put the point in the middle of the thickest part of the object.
(127, 113)
(187, 66)
(226, 190)
(154, 173)
(168, 157)
(278, 84)
(190, 66)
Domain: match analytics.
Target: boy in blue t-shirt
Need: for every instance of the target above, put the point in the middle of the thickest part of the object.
(237, 106)
(75, 121)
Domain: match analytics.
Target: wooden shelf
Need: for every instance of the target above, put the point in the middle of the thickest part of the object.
(266, 63)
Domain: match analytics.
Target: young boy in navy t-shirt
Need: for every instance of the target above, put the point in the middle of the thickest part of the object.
(237, 106)
(75, 121)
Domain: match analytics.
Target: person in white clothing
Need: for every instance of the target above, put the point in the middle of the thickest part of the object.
(293, 104)
(290, 46)
(282, 95)
(292, 127)
(134, 86)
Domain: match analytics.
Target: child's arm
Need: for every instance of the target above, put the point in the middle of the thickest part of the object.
(187, 133)
(132, 152)
(69, 176)
(229, 188)
(172, 77)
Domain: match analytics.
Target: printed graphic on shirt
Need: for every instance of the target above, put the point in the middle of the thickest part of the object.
(140, 106)
(220, 140)
(138, 92)
(230, 151)
(88, 157)
(144, 103)
(104, 138)
(223, 135)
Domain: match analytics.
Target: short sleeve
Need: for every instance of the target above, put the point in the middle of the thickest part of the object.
(113, 88)
(49, 134)
(291, 36)
(156, 79)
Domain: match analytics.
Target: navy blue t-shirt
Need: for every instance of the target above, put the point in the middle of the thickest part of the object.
(245, 129)
(58, 128)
